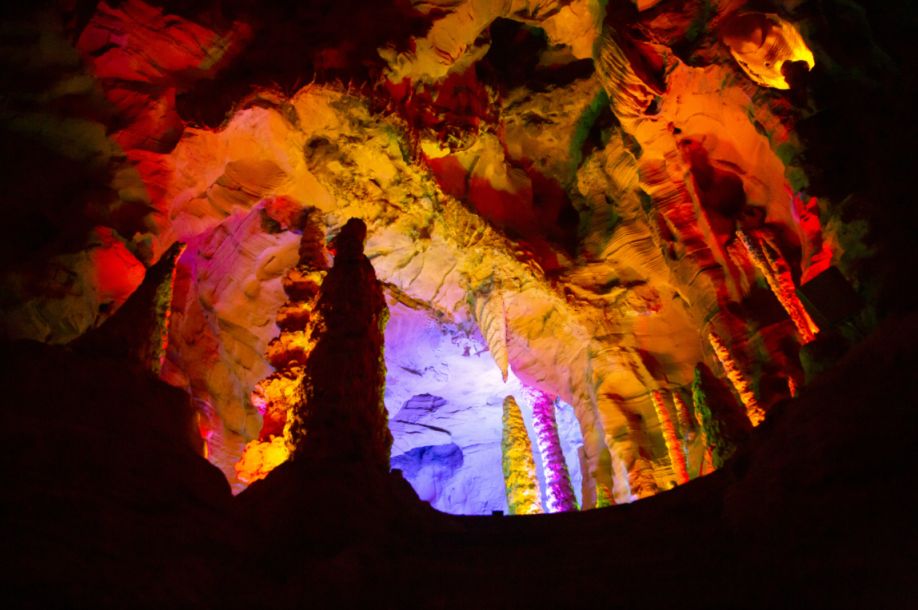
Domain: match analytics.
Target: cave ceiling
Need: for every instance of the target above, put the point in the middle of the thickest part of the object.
(582, 198)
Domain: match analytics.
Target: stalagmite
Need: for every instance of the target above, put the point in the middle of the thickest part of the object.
(520, 480)
(558, 489)
(492, 320)
(277, 395)
(673, 446)
(139, 330)
(753, 411)
(774, 269)
(343, 418)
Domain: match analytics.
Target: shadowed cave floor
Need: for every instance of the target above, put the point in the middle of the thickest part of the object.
(109, 505)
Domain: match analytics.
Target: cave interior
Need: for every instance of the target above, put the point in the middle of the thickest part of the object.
(459, 303)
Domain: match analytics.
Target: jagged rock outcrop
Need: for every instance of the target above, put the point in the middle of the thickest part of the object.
(139, 331)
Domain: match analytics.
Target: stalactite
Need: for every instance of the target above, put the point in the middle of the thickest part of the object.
(673, 446)
(776, 273)
(277, 395)
(742, 385)
(520, 480)
(719, 416)
(492, 320)
(558, 489)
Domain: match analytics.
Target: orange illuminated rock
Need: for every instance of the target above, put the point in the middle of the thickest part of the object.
(281, 395)
(739, 380)
(763, 44)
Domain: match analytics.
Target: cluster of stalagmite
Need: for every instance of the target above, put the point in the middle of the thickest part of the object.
(278, 395)
(664, 168)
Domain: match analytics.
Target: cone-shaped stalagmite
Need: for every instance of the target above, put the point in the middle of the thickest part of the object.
(138, 332)
(559, 492)
(343, 418)
(520, 479)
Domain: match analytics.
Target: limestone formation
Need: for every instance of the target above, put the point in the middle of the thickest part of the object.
(558, 491)
(522, 485)
(342, 417)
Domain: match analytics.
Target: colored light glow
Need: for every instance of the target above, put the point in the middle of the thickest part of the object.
(762, 44)
(261, 457)
(558, 490)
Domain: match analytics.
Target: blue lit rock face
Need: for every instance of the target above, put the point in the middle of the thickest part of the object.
(429, 469)
(444, 394)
